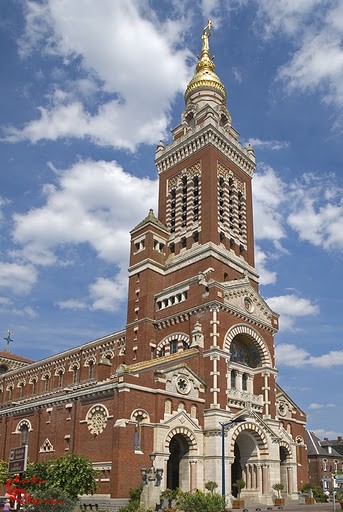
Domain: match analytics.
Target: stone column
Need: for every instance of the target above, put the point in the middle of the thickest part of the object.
(265, 479)
(259, 477)
(193, 475)
(289, 481)
(248, 480)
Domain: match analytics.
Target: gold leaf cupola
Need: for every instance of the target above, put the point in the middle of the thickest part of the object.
(205, 85)
(205, 94)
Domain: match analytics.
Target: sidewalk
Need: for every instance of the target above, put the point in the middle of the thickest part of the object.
(295, 507)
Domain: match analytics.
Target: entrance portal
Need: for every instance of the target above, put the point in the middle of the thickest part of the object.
(178, 448)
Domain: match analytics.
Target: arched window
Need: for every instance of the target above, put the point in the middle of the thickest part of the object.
(245, 382)
(34, 385)
(325, 464)
(91, 369)
(3, 368)
(60, 378)
(46, 382)
(75, 374)
(233, 379)
(24, 434)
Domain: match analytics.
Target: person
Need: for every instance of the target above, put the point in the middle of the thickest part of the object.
(7, 505)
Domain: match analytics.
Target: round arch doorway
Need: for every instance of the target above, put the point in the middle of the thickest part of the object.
(177, 463)
(247, 463)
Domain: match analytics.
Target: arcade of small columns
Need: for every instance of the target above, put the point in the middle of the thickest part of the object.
(255, 475)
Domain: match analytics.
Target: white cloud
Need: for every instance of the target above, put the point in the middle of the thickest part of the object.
(314, 406)
(94, 203)
(108, 294)
(19, 279)
(284, 15)
(74, 304)
(237, 75)
(328, 434)
(317, 213)
(135, 95)
(268, 196)
(274, 145)
(291, 307)
(290, 355)
(261, 258)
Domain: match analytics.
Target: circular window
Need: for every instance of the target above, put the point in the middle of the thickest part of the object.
(183, 385)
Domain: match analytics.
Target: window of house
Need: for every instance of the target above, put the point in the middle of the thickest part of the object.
(325, 464)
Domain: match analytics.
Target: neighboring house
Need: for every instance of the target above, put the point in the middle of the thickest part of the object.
(323, 460)
(198, 347)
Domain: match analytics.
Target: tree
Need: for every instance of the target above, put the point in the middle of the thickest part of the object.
(200, 501)
(278, 488)
(73, 474)
(211, 486)
(3, 472)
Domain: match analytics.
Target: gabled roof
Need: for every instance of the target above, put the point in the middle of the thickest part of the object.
(315, 447)
(14, 357)
(150, 219)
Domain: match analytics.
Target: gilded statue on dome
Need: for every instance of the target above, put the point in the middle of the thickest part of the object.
(205, 35)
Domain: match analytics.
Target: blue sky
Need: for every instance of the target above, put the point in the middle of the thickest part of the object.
(87, 91)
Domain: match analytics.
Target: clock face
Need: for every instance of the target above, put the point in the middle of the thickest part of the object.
(183, 385)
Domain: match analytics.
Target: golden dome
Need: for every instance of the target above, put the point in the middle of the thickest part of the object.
(205, 76)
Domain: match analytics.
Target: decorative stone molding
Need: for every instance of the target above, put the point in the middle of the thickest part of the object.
(96, 419)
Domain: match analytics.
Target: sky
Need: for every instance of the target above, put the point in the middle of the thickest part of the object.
(88, 89)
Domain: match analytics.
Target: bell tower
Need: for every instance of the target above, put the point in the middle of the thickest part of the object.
(205, 175)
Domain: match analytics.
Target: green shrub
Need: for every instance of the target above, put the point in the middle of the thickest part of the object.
(200, 501)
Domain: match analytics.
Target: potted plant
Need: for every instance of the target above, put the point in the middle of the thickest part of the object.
(279, 501)
(238, 503)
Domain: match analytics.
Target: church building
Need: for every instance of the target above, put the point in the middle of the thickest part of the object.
(190, 384)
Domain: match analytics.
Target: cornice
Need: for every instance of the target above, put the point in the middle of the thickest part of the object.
(187, 145)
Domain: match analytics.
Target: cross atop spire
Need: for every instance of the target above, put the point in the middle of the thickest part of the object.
(8, 339)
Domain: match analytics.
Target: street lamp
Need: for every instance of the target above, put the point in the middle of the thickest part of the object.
(223, 426)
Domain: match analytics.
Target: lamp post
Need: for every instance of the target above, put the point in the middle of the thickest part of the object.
(223, 426)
